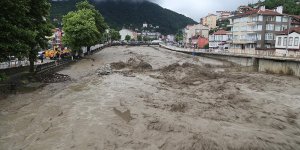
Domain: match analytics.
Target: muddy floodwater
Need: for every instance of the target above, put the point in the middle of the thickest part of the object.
(148, 98)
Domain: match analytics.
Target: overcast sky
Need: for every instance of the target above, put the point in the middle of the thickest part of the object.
(196, 9)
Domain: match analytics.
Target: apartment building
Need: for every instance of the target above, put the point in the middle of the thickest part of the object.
(222, 15)
(287, 42)
(125, 32)
(218, 40)
(191, 31)
(256, 29)
(210, 20)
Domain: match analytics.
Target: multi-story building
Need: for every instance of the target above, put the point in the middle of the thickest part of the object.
(255, 29)
(218, 40)
(287, 42)
(125, 32)
(210, 20)
(192, 31)
(222, 15)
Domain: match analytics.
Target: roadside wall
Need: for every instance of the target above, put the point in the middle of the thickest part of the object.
(280, 65)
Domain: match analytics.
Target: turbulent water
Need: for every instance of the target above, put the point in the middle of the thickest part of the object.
(155, 99)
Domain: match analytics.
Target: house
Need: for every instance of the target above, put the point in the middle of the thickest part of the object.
(55, 41)
(145, 25)
(125, 32)
(194, 31)
(210, 20)
(255, 29)
(287, 42)
(202, 42)
(218, 40)
(223, 15)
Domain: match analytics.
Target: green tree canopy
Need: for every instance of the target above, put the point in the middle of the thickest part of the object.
(14, 35)
(115, 35)
(139, 38)
(24, 26)
(100, 23)
(127, 38)
(80, 29)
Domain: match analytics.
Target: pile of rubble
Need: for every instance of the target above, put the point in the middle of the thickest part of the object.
(132, 64)
(104, 70)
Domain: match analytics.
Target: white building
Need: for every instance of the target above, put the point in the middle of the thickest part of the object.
(145, 25)
(125, 32)
(194, 30)
(287, 44)
(219, 39)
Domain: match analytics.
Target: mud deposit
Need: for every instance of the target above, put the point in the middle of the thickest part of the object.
(154, 99)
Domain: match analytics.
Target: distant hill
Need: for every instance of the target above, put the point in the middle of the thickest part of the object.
(129, 14)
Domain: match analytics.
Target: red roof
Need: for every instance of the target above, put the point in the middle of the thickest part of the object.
(259, 12)
(285, 32)
(220, 32)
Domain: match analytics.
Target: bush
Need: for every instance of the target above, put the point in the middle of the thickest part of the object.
(2, 77)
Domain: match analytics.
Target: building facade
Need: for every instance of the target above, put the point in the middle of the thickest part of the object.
(210, 20)
(125, 32)
(223, 15)
(287, 42)
(191, 31)
(218, 40)
(256, 29)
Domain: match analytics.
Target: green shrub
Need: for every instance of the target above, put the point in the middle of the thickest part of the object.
(2, 77)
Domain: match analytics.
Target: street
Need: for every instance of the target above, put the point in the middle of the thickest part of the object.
(154, 99)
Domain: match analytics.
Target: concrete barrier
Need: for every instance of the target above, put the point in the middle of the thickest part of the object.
(268, 64)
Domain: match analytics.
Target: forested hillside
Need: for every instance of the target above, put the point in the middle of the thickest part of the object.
(130, 14)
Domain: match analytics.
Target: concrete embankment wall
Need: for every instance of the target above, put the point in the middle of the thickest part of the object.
(286, 66)
(279, 66)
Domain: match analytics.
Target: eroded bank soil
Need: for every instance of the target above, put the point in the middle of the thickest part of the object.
(150, 98)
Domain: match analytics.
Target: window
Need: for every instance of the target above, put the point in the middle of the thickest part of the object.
(284, 41)
(259, 27)
(278, 28)
(269, 36)
(236, 37)
(291, 41)
(258, 36)
(278, 18)
(270, 27)
(244, 28)
(254, 18)
(260, 18)
(270, 18)
(279, 41)
(284, 27)
(296, 41)
(285, 19)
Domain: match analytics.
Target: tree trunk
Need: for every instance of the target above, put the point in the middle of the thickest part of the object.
(32, 58)
(89, 50)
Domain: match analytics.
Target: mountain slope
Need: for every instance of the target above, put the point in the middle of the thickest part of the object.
(130, 14)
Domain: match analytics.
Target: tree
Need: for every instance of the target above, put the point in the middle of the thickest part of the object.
(115, 35)
(24, 26)
(99, 20)
(80, 29)
(38, 13)
(179, 37)
(127, 38)
(146, 39)
(13, 35)
(139, 38)
(84, 27)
